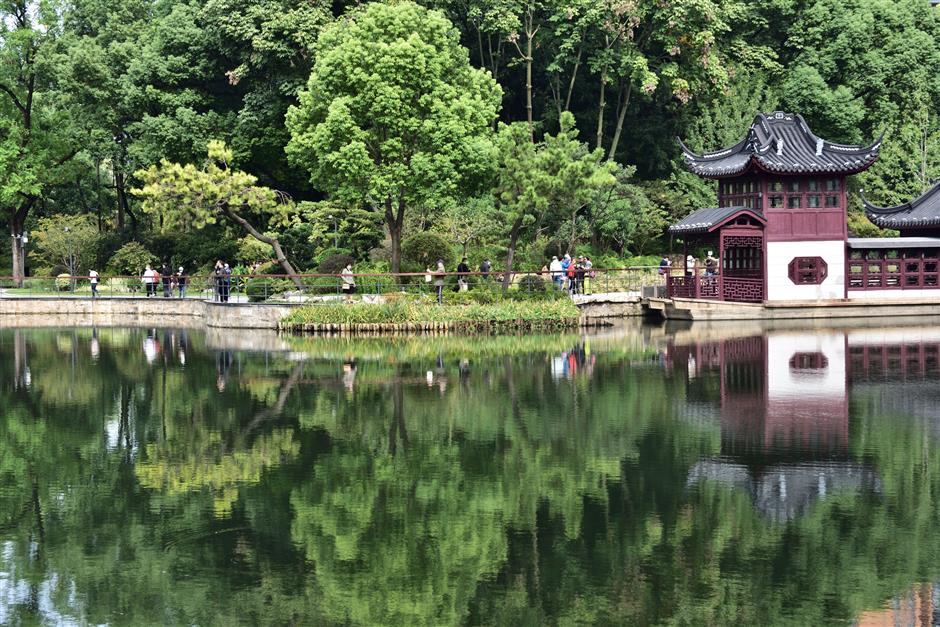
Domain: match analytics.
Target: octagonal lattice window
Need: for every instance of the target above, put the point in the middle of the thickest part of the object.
(808, 270)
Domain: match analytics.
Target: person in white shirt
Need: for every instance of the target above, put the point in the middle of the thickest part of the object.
(150, 280)
(349, 282)
(93, 279)
(556, 271)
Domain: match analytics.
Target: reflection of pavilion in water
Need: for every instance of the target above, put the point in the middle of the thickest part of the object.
(784, 415)
(918, 607)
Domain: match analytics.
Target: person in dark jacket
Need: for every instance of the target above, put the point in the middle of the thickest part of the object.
(463, 269)
(166, 275)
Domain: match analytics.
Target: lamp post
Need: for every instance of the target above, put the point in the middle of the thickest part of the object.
(69, 256)
(335, 231)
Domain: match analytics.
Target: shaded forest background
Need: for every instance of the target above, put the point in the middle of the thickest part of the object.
(92, 91)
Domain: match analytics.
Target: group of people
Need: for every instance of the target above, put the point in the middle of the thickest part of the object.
(438, 274)
(711, 265)
(572, 275)
(152, 279)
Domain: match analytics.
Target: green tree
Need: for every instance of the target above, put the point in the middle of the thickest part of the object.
(394, 116)
(189, 196)
(550, 181)
(67, 242)
(36, 130)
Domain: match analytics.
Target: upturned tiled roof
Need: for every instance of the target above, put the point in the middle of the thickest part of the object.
(705, 220)
(923, 211)
(782, 143)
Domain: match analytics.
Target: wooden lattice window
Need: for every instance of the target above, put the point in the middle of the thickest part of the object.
(808, 270)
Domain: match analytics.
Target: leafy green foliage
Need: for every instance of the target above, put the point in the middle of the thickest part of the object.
(422, 250)
(334, 264)
(130, 260)
(393, 115)
(67, 242)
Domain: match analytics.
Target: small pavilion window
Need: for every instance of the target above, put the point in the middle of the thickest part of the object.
(812, 201)
(832, 201)
(776, 202)
(793, 186)
(808, 270)
(793, 202)
(832, 185)
(812, 185)
(776, 186)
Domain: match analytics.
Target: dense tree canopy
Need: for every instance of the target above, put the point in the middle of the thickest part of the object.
(387, 112)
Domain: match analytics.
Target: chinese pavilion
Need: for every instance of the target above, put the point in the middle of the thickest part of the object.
(780, 225)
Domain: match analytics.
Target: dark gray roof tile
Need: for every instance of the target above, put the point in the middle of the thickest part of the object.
(782, 143)
(923, 211)
(705, 220)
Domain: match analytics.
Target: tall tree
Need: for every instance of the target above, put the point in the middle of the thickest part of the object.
(36, 130)
(393, 115)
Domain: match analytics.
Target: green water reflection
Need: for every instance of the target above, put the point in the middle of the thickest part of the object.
(632, 477)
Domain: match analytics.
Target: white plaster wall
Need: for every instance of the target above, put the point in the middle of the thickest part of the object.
(779, 256)
(784, 384)
(895, 294)
(880, 336)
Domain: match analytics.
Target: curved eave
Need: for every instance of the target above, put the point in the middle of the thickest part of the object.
(894, 222)
(701, 228)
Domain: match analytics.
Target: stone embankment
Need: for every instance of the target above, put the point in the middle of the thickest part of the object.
(38, 311)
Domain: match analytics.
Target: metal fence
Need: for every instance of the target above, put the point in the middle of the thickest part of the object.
(327, 287)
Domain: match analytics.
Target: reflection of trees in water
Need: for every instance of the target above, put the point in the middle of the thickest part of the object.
(512, 498)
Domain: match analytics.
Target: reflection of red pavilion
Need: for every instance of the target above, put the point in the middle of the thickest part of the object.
(784, 414)
(778, 394)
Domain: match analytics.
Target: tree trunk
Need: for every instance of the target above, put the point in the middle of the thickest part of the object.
(528, 85)
(574, 224)
(19, 253)
(621, 115)
(574, 76)
(510, 254)
(600, 110)
(270, 241)
(394, 220)
(121, 187)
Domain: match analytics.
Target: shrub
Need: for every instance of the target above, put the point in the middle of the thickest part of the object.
(334, 264)
(532, 284)
(326, 253)
(261, 289)
(130, 259)
(425, 248)
(63, 282)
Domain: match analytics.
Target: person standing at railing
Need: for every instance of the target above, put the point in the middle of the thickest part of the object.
(166, 276)
(556, 271)
(463, 269)
(588, 275)
(181, 281)
(711, 265)
(217, 276)
(565, 277)
(150, 281)
(93, 279)
(439, 281)
(226, 282)
(349, 282)
(485, 268)
(664, 266)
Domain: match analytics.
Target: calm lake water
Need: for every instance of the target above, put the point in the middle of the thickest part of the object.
(644, 475)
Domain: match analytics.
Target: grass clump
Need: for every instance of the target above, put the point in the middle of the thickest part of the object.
(505, 314)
